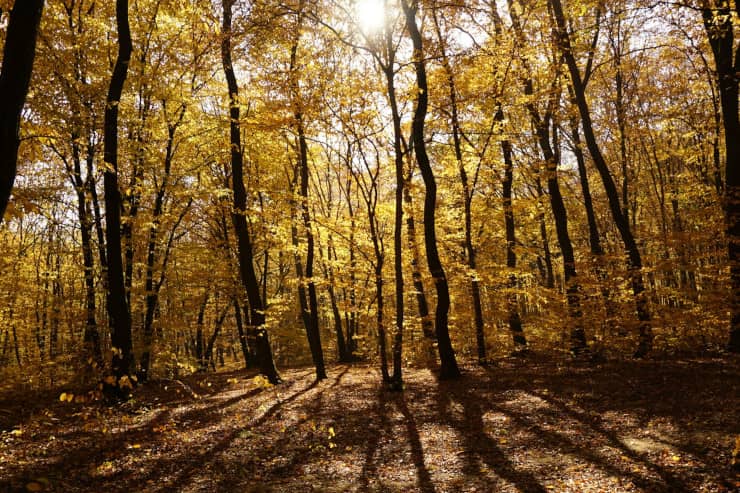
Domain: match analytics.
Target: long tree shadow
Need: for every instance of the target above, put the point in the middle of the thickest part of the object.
(564, 445)
(417, 452)
(478, 444)
(209, 455)
(671, 481)
(559, 442)
(91, 447)
(637, 391)
(293, 449)
(253, 465)
(369, 466)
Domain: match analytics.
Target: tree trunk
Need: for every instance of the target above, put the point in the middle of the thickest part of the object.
(343, 352)
(427, 326)
(242, 335)
(718, 22)
(515, 321)
(448, 363)
(389, 71)
(15, 76)
(309, 308)
(119, 316)
(634, 259)
(470, 251)
(239, 215)
(199, 336)
(150, 288)
(91, 335)
(328, 270)
(549, 276)
(572, 289)
(594, 240)
(212, 340)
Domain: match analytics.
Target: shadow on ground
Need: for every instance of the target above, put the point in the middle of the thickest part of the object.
(654, 426)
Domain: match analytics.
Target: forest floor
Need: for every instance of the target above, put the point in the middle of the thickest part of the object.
(530, 425)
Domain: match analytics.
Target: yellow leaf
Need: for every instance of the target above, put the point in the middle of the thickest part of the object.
(63, 397)
(34, 486)
(676, 458)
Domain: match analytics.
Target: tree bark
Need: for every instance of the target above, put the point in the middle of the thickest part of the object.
(151, 288)
(119, 316)
(634, 260)
(398, 157)
(310, 308)
(242, 336)
(91, 336)
(209, 360)
(718, 22)
(15, 77)
(541, 124)
(199, 336)
(239, 214)
(342, 355)
(448, 363)
(470, 251)
(427, 326)
(515, 321)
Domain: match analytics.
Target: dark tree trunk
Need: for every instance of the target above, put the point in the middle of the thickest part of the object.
(718, 22)
(239, 218)
(572, 289)
(350, 317)
(541, 124)
(633, 253)
(242, 335)
(427, 326)
(470, 251)
(309, 307)
(212, 340)
(119, 316)
(150, 287)
(549, 276)
(448, 363)
(15, 76)
(199, 336)
(398, 156)
(91, 335)
(380, 323)
(342, 355)
(620, 110)
(594, 240)
(515, 321)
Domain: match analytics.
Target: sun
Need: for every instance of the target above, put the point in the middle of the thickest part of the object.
(370, 15)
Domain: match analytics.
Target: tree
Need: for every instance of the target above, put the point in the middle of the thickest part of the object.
(119, 316)
(633, 253)
(467, 189)
(15, 76)
(719, 23)
(306, 288)
(239, 214)
(448, 363)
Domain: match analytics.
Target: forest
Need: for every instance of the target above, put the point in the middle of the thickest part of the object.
(380, 245)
